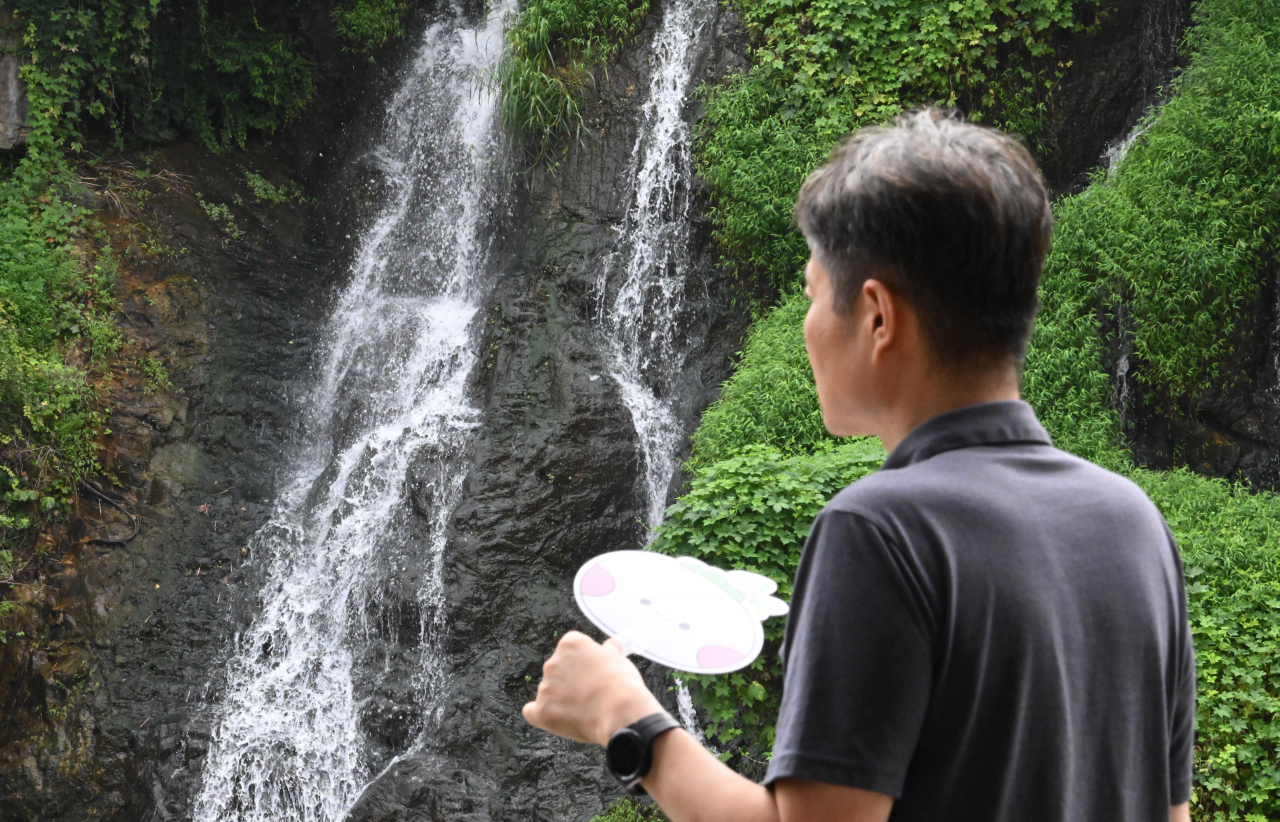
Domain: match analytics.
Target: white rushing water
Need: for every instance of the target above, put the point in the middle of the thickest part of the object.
(639, 315)
(641, 321)
(287, 744)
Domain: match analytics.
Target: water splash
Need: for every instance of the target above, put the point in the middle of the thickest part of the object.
(641, 322)
(390, 401)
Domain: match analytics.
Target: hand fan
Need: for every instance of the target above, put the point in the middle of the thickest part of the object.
(678, 611)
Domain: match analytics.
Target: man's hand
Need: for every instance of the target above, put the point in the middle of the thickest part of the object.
(588, 691)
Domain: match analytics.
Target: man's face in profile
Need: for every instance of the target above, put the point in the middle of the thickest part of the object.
(839, 355)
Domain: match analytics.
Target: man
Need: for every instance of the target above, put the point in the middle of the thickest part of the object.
(987, 628)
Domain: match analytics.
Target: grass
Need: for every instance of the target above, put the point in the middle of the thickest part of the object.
(551, 52)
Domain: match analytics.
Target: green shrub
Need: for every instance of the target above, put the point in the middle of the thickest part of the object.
(368, 24)
(155, 374)
(629, 810)
(1229, 541)
(753, 511)
(1181, 232)
(50, 303)
(216, 70)
(265, 192)
(770, 399)
(821, 69)
(550, 54)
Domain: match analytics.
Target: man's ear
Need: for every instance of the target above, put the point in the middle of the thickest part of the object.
(883, 318)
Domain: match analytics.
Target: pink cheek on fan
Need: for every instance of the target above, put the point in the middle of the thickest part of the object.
(717, 656)
(597, 582)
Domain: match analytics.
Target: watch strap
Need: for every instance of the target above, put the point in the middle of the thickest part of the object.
(653, 725)
(647, 729)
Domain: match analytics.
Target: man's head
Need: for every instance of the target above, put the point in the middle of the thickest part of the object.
(948, 222)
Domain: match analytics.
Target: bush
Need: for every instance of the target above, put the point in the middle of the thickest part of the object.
(216, 70)
(821, 69)
(1228, 539)
(368, 24)
(770, 399)
(50, 303)
(550, 54)
(1171, 244)
(753, 511)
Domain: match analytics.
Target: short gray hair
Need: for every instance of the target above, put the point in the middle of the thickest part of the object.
(952, 215)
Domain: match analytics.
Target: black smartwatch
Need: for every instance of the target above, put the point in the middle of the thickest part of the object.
(630, 751)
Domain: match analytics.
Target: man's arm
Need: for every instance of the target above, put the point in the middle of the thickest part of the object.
(589, 690)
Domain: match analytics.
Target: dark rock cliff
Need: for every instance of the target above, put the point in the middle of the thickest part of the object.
(101, 714)
(1112, 74)
(1232, 429)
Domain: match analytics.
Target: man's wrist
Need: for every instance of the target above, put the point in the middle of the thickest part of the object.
(625, 711)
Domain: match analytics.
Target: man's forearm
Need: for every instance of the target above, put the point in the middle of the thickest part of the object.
(589, 690)
(691, 785)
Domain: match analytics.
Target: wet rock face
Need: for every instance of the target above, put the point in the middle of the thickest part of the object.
(107, 711)
(1115, 71)
(13, 94)
(1232, 429)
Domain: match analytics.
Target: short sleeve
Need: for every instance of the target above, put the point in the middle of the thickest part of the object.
(1182, 713)
(858, 660)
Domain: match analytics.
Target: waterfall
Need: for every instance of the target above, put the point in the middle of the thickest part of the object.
(389, 409)
(641, 319)
(641, 322)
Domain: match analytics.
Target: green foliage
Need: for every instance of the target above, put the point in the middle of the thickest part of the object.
(1176, 238)
(368, 24)
(1228, 539)
(156, 374)
(770, 399)
(629, 810)
(221, 214)
(753, 511)
(550, 54)
(265, 192)
(8, 565)
(823, 68)
(215, 69)
(50, 303)
(1209, 160)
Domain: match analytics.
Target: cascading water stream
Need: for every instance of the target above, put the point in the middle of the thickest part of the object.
(390, 396)
(641, 321)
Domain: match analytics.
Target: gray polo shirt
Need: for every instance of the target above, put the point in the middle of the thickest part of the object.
(989, 628)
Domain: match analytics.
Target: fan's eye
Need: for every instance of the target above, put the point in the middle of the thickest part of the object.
(645, 601)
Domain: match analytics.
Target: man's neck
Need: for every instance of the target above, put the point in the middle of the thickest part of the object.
(940, 392)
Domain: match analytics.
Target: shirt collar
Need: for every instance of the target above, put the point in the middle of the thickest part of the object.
(989, 423)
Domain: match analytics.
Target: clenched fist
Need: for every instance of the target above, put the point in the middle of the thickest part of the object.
(588, 691)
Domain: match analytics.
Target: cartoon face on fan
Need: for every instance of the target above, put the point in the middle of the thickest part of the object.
(678, 611)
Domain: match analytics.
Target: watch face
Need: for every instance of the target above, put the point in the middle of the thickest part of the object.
(624, 753)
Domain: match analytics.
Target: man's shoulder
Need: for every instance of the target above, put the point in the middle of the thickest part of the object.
(983, 474)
